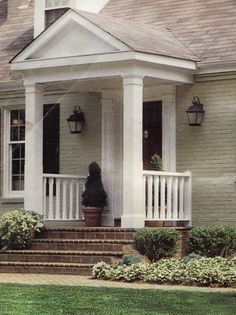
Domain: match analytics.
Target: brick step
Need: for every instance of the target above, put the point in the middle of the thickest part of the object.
(87, 233)
(82, 244)
(60, 256)
(48, 268)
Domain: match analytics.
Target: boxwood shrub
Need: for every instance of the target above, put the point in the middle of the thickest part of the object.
(212, 240)
(156, 243)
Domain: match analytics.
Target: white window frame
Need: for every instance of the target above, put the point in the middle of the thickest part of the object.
(7, 162)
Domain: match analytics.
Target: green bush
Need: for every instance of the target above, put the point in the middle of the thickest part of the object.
(212, 240)
(156, 243)
(217, 271)
(16, 228)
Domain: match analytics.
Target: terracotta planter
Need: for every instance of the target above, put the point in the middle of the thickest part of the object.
(92, 216)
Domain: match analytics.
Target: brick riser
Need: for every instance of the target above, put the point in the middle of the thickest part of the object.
(90, 234)
(73, 245)
(69, 270)
(58, 257)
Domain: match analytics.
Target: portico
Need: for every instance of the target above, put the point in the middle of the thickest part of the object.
(124, 78)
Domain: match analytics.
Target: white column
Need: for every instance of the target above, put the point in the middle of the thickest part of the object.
(34, 148)
(133, 210)
(108, 155)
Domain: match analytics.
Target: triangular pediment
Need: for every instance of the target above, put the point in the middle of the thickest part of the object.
(71, 35)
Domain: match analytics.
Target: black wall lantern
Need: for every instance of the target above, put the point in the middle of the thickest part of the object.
(195, 112)
(76, 120)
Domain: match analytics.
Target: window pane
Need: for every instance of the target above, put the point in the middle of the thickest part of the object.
(17, 121)
(18, 165)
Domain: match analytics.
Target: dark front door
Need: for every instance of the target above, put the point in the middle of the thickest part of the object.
(51, 139)
(152, 131)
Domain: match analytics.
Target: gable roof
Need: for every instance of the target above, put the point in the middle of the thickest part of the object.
(15, 33)
(142, 37)
(206, 27)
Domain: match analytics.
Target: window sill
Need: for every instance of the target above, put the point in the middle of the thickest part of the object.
(12, 200)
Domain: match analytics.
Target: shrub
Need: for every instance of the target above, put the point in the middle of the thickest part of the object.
(203, 271)
(16, 228)
(156, 243)
(129, 260)
(212, 240)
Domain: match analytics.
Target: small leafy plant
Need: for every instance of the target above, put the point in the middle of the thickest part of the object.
(212, 240)
(16, 228)
(156, 243)
(156, 163)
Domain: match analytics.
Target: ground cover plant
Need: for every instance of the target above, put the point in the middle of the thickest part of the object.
(50, 300)
(198, 271)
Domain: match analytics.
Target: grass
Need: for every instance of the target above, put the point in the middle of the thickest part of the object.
(55, 300)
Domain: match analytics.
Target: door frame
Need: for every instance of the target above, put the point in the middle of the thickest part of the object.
(166, 94)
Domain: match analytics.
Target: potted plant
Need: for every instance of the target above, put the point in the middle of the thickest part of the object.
(94, 198)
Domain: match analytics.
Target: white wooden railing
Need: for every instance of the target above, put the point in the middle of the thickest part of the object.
(62, 196)
(168, 196)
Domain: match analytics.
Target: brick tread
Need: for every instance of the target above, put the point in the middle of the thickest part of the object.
(92, 229)
(96, 241)
(45, 264)
(58, 252)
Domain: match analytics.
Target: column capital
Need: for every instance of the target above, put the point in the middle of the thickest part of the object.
(33, 87)
(133, 80)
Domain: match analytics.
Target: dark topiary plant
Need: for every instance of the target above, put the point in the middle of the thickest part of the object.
(94, 194)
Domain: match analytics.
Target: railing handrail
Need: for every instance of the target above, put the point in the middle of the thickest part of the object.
(64, 176)
(160, 173)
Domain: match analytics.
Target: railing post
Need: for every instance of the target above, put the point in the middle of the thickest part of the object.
(188, 197)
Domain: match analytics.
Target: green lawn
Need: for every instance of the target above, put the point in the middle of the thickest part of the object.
(54, 300)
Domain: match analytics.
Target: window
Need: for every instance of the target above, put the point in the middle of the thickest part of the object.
(14, 147)
(14, 153)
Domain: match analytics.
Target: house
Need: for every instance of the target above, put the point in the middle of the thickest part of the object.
(133, 68)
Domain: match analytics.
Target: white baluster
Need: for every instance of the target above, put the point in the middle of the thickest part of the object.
(163, 203)
(145, 194)
(71, 188)
(44, 197)
(149, 207)
(77, 201)
(50, 210)
(156, 198)
(64, 198)
(175, 198)
(181, 198)
(169, 198)
(58, 201)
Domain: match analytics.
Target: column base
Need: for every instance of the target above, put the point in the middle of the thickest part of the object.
(107, 218)
(132, 221)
